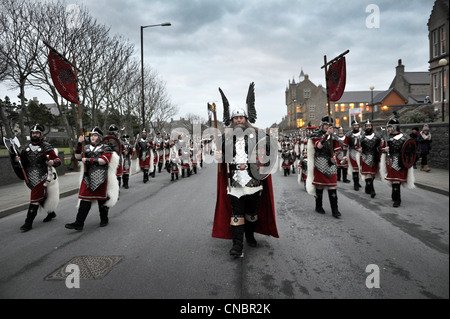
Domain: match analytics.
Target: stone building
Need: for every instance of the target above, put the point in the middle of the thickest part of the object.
(305, 102)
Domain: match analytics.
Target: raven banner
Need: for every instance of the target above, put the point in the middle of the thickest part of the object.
(63, 76)
(336, 77)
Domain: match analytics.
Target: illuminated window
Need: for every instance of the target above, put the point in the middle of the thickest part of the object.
(352, 105)
(338, 122)
(299, 110)
(361, 104)
(300, 123)
(336, 107)
(368, 108)
(342, 107)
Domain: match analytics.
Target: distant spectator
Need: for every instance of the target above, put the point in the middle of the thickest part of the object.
(424, 147)
(427, 100)
(414, 134)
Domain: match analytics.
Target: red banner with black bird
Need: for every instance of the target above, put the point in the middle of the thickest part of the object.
(336, 77)
(63, 76)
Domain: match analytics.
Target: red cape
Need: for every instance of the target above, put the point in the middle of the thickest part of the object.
(266, 210)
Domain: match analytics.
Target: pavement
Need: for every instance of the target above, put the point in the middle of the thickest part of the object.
(15, 197)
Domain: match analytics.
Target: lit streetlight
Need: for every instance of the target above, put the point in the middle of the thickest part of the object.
(371, 94)
(165, 24)
(443, 63)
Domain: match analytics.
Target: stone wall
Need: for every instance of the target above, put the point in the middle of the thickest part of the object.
(7, 175)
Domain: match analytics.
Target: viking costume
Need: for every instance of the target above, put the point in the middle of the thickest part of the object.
(303, 168)
(144, 148)
(41, 178)
(127, 152)
(370, 156)
(392, 167)
(341, 157)
(285, 161)
(244, 203)
(321, 170)
(113, 140)
(352, 144)
(99, 182)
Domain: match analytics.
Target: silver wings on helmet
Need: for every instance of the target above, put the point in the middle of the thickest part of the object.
(251, 110)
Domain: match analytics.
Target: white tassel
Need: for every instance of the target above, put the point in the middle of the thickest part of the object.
(410, 179)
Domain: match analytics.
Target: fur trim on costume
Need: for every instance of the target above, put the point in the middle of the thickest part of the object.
(52, 200)
(410, 180)
(112, 188)
(310, 188)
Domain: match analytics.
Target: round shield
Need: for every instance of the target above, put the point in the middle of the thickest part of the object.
(114, 143)
(409, 153)
(264, 157)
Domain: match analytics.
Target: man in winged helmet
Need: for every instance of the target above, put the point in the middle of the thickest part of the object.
(245, 202)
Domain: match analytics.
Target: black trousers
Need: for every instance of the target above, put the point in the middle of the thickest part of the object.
(245, 205)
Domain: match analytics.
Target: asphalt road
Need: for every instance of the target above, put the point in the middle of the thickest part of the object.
(162, 232)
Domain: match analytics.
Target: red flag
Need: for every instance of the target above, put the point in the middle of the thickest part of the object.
(63, 77)
(336, 77)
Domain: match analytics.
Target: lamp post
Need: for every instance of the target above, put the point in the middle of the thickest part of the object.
(371, 94)
(443, 63)
(165, 24)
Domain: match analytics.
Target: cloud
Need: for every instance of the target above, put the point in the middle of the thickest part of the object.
(229, 44)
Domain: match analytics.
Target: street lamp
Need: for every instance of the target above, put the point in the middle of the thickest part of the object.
(443, 63)
(371, 94)
(165, 24)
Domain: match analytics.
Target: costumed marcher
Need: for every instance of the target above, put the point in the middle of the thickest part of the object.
(292, 157)
(245, 203)
(303, 168)
(145, 153)
(98, 178)
(392, 168)
(415, 131)
(38, 160)
(127, 152)
(370, 149)
(352, 145)
(116, 145)
(322, 168)
(285, 160)
(423, 147)
(175, 163)
(341, 157)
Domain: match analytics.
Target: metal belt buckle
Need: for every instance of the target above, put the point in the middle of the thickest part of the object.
(242, 166)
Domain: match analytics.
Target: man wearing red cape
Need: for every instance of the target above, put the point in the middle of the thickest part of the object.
(245, 203)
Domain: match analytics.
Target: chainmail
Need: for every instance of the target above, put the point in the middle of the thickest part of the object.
(371, 149)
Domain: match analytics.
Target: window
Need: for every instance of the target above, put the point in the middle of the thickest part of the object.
(352, 105)
(435, 87)
(307, 93)
(299, 110)
(443, 46)
(338, 122)
(435, 42)
(312, 116)
(336, 107)
(300, 123)
(312, 108)
(342, 107)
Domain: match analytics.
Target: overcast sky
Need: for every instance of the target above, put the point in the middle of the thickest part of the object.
(228, 44)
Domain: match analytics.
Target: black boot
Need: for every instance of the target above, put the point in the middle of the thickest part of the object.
(372, 189)
(367, 188)
(83, 211)
(50, 216)
(172, 177)
(145, 176)
(103, 213)
(339, 169)
(119, 179)
(319, 197)
(396, 195)
(126, 178)
(250, 233)
(344, 175)
(332, 195)
(356, 185)
(31, 214)
(237, 234)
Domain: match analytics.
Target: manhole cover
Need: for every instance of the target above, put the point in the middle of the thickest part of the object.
(91, 267)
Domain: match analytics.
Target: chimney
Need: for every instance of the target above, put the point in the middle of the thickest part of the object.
(400, 69)
(306, 77)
